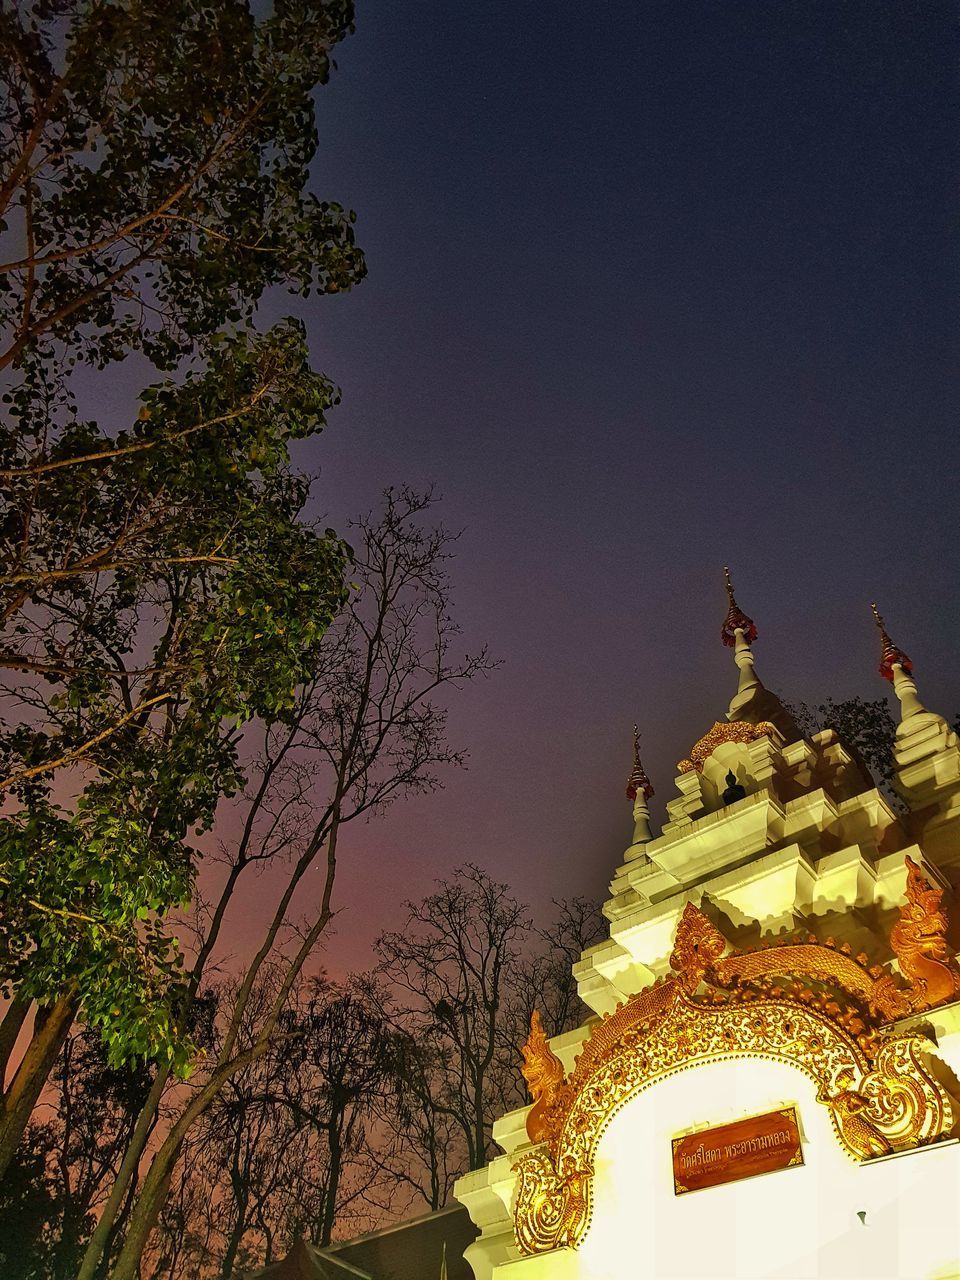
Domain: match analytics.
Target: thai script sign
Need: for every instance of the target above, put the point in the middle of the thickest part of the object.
(743, 1149)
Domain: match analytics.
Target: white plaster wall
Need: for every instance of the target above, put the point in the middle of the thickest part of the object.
(795, 1224)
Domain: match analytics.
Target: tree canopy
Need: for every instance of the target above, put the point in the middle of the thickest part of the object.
(155, 158)
(162, 583)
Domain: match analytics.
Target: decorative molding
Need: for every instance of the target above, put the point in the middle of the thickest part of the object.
(881, 1094)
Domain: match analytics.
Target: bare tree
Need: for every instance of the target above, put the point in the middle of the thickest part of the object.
(447, 970)
(544, 979)
(367, 730)
(458, 983)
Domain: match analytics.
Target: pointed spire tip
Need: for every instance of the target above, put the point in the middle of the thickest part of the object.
(890, 654)
(736, 620)
(638, 780)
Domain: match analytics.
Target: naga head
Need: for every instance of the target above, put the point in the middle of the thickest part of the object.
(541, 1069)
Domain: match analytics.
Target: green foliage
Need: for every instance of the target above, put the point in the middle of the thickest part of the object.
(161, 586)
(167, 591)
(156, 155)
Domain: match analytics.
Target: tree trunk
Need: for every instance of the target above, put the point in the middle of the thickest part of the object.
(233, 1244)
(50, 1031)
(10, 1028)
(125, 1175)
(241, 1195)
(150, 1201)
(333, 1183)
(479, 1133)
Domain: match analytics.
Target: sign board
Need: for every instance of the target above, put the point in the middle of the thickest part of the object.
(743, 1149)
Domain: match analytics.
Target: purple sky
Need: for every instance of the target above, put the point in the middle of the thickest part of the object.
(653, 288)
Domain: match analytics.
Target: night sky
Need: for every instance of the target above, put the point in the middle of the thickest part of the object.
(652, 288)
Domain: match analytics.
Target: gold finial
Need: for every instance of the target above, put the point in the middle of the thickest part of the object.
(890, 655)
(638, 780)
(736, 620)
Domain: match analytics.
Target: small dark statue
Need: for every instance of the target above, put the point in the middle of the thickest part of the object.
(734, 791)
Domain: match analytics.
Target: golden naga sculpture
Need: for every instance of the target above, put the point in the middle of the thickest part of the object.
(544, 1074)
(722, 731)
(919, 942)
(698, 956)
(881, 1093)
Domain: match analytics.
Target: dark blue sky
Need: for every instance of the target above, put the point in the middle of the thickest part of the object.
(653, 287)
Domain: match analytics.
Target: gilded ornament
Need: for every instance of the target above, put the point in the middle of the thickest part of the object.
(890, 655)
(736, 620)
(544, 1074)
(879, 1089)
(918, 940)
(697, 946)
(723, 731)
(553, 1210)
(698, 954)
(858, 1134)
(638, 782)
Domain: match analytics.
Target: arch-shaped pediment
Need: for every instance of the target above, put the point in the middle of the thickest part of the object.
(879, 1088)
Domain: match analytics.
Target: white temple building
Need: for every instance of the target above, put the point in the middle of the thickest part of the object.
(769, 1088)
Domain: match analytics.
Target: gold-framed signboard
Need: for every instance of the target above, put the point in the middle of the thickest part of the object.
(741, 1149)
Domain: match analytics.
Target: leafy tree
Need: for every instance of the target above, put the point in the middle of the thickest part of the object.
(155, 160)
(158, 591)
(161, 587)
(866, 727)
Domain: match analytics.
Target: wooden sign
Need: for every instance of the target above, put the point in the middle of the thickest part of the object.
(743, 1149)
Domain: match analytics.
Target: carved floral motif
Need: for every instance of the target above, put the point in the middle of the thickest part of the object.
(697, 947)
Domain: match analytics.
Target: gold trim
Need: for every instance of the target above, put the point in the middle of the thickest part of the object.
(732, 731)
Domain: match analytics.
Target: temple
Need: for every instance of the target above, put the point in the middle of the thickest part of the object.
(769, 1084)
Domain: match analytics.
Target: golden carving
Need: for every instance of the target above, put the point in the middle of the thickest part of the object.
(734, 731)
(919, 943)
(878, 993)
(553, 1210)
(543, 1072)
(857, 1133)
(697, 946)
(881, 1094)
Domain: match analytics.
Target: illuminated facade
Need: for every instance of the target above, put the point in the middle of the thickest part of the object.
(778, 996)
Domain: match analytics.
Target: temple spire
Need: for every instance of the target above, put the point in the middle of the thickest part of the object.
(738, 633)
(753, 702)
(896, 667)
(639, 790)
